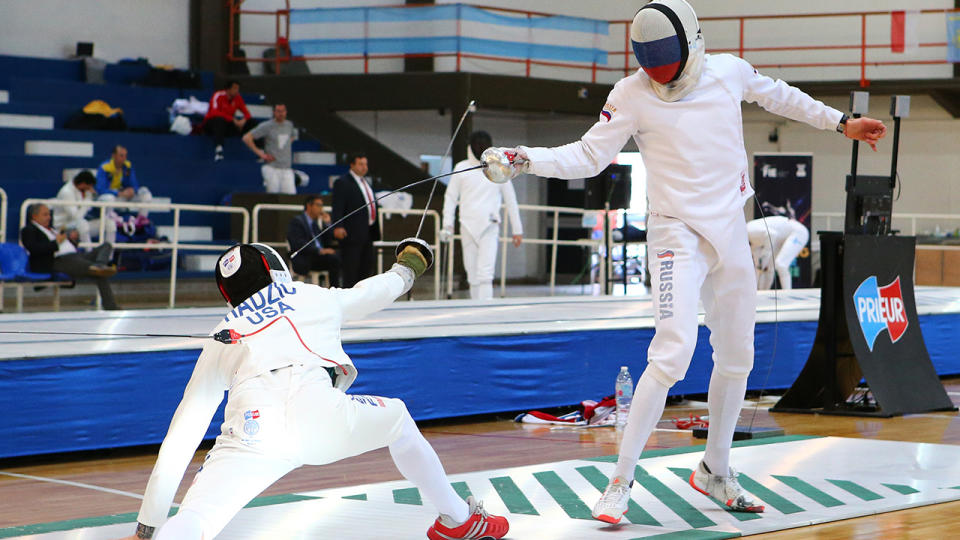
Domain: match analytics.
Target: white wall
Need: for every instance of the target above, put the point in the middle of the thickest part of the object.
(158, 30)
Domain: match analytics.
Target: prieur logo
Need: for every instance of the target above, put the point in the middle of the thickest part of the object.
(879, 309)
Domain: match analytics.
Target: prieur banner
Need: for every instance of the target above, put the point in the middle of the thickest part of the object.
(881, 319)
(783, 183)
(879, 309)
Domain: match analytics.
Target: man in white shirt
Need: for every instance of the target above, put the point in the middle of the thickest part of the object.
(278, 134)
(789, 238)
(279, 356)
(479, 201)
(683, 111)
(73, 216)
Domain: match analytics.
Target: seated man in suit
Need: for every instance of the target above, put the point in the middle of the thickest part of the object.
(51, 251)
(303, 227)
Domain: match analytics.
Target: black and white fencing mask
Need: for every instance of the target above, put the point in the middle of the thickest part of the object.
(479, 141)
(244, 269)
(668, 45)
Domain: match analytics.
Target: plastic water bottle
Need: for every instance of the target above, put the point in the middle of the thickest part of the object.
(624, 396)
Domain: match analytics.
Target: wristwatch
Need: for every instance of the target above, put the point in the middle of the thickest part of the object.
(842, 124)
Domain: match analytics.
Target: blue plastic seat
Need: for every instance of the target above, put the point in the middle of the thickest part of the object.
(13, 261)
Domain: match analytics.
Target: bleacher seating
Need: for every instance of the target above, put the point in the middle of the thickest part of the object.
(14, 273)
(174, 167)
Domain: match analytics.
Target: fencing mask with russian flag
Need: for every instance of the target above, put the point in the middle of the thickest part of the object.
(669, 47)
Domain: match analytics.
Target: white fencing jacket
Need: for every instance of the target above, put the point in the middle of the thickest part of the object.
(479, 200)
(65, 215)
(780, 228)
(697, 168)
(316, 315)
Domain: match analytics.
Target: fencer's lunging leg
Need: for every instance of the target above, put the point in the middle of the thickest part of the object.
(724, 400)
(418, 462)
(644, 414)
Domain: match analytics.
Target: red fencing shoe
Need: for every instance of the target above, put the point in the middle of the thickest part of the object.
(479, 526)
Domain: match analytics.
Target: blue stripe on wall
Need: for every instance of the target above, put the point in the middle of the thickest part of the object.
(70, 403)
(510, 49)
(447, 12)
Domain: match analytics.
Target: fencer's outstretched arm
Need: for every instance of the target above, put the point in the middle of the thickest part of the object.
(594, 151)
(782, 99)
(203, 394)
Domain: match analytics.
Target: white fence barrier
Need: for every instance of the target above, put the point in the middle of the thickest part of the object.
(174, 244)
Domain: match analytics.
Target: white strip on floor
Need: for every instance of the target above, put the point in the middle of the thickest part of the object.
(401, 320)
(801, 482)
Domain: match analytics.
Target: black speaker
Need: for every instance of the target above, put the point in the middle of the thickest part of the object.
(84, 48)
(613, 185)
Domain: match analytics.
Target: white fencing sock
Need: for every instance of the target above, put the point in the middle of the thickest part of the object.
(724, 400)
(649, 399)
(418, 462)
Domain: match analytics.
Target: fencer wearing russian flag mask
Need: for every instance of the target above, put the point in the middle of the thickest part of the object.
(668, 44)
(683, 111)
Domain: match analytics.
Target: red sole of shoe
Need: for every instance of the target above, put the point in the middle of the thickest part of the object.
(607, 519)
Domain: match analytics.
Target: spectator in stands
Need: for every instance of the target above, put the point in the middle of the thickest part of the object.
(278, 134)
(303, 227)
(221, 120)
(51, 251)
(116, 180)
(73, 216)
(358, 233)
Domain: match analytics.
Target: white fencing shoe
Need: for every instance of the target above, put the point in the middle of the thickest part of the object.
(613, 503)
(725, 489)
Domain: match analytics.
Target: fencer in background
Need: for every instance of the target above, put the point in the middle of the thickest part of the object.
(683, 110)
(278, 355)
(479, 201)
(789, 239)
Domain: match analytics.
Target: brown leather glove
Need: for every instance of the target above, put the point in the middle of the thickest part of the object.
(413, 259)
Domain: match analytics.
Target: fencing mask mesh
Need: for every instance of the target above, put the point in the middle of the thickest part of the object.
(668, 45)
(479, 141)
(244, 269)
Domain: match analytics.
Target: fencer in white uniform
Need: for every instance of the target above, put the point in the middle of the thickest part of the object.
(279, 356)
(683, 111)
(789, 238)
(479, 201)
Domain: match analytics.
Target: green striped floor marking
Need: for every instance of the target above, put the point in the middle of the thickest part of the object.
(823, 498)
(634, 513)
(407, 496)
(462, 489)
(856, 489)
(904, 490)
(660, 452)
(514, 499)
(674, 502)
(684, 475)
(768, 496)
(565, 497)
(357, 497)
(270, 500)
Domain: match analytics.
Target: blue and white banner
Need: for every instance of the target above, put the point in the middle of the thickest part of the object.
(953, 36)
(448, 28)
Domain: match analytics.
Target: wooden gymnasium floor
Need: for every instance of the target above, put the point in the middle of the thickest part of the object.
(473, 446)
